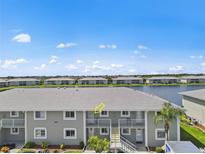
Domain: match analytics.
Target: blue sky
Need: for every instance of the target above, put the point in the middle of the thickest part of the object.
(97, 37)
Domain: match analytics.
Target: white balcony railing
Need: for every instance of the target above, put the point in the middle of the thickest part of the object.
(98, 122)
(131, 122)
(12, 123)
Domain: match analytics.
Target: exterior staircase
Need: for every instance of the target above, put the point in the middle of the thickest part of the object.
(120, 143)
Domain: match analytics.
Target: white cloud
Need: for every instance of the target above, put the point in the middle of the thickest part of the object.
(66, 45)
(203, 65)
(143, 56)
(41, 67)
(96, 62)
(71, 67)
(53, 60)
(137, 52)
(22, 38)
(131, 70)
(116, 65)
(142, 47)
(196, 57)
(108, 46)
(95, 67)
(176, 68)
(79, 61)
(140, 54)
(12, 64)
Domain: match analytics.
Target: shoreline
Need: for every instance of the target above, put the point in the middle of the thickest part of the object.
(104, 85)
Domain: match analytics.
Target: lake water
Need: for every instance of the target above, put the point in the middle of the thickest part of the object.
(169, 93)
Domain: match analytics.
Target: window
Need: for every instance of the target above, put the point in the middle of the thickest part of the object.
(14, 131)
(125, 131)
(14, 114)
(70, 133)
(69, 115)
(125, 114)
(160, 134)
(39, 115)
(104, 131)
(40, 133)
(104, 114)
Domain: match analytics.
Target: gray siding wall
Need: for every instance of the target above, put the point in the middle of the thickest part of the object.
(194, 108)
(152, 142)
(6, 115)
(1, 137)
(55, 128)
(9, 138)
(126, 81)
(97, 133)
(5, 135)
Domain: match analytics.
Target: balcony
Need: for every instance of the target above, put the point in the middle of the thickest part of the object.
(12, 123)
(98, 123)
(131, 123)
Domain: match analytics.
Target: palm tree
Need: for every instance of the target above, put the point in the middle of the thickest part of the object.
(167, 115)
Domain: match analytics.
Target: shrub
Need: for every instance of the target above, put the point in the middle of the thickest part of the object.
(44, 145)
(62, 146)
(5, 149)
(159, 150)
(27, 151)
(82, 144)
(73, 151)
(45, 151)
(30, 145)
(55, 151)
(98, 144)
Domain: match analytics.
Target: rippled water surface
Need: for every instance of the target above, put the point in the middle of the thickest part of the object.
(169, 93)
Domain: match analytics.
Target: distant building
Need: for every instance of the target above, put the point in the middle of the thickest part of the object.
(162, 80)
(23, 82)
(92, 80)
(192, 79)
(194, 103)
(3, 83)
(59, 81)
(127, 80)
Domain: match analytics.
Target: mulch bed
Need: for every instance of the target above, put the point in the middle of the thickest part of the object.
(202, 128)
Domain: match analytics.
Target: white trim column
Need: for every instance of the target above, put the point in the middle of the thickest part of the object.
(84, 127)
(178, 129)
(25, 126)
(146, 128)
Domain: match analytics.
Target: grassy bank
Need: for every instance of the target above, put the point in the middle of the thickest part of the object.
(101, 85)
(6, 88)
(108, 85)
(193, 134)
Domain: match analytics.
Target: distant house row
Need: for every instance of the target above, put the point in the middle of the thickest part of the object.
(19, 82)
(100, 80)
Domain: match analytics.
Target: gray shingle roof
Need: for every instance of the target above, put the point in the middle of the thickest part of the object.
(23, 79)
(54, 99)
(193, 77)
(183, 147)
(199, 94)
(163, 77)
(127, 78)
(60, 79)
(3, 81)
(93, 78)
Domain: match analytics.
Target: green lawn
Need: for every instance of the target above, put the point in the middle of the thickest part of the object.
(193, 134)
(5, 88)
